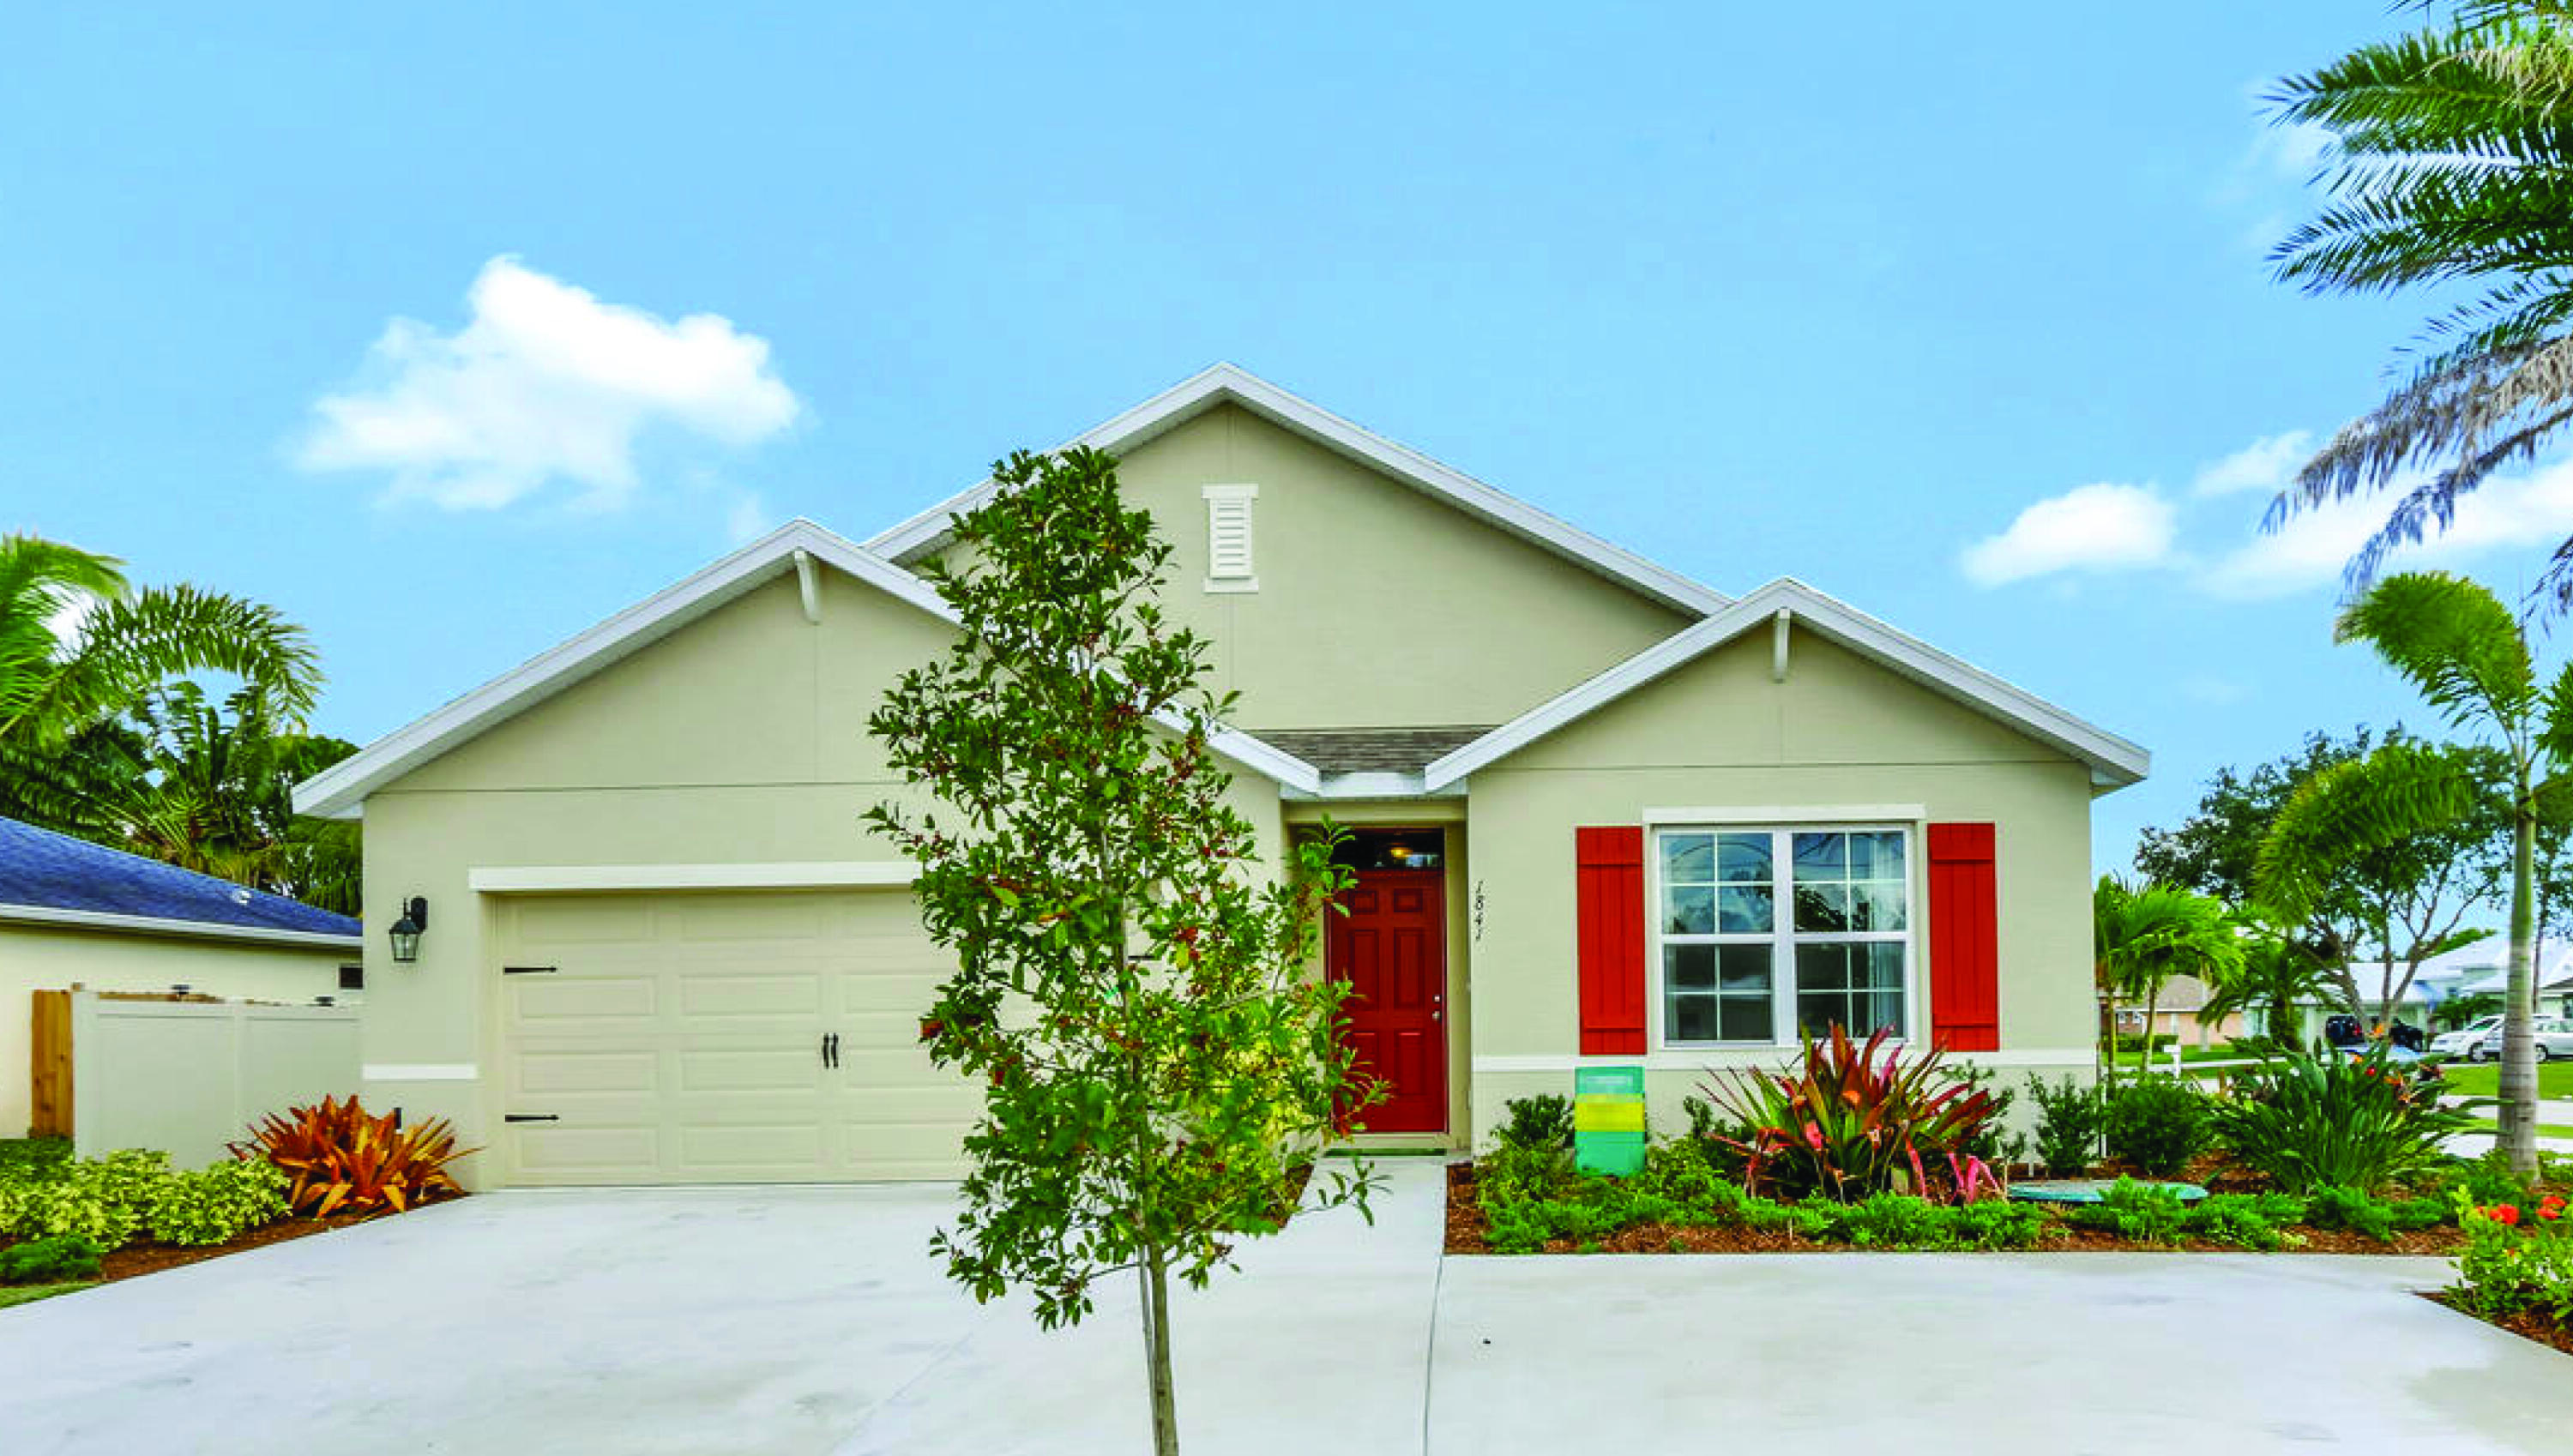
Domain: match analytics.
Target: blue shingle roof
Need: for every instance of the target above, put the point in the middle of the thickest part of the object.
(57, 872)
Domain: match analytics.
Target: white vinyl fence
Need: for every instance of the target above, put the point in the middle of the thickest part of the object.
(188, 1077)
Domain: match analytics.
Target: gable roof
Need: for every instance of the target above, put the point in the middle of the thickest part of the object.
(2114, 761)
(340, 791)
(55, 879)
(1225, 383)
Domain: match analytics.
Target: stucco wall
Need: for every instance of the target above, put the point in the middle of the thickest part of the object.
(37, 958)
(1720, 734)
(742, 738)
(1377, 605)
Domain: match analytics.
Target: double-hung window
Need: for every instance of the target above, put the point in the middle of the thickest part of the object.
(1766, 933)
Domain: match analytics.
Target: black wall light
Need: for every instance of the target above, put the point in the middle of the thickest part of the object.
(407, 931)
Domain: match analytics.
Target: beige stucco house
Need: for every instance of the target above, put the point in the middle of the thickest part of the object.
(1612, 817)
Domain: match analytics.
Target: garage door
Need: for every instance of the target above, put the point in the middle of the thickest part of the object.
(681, 1039)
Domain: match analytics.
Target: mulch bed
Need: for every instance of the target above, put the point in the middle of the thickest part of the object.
(1466, 1234)
(2527, 1326)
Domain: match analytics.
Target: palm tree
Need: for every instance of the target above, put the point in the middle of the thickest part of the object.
(2142, 936)
(2454, 151)
(80, 648)
(2469, 657)
(2278, 972)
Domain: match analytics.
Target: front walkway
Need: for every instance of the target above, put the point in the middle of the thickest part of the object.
(810, 1320)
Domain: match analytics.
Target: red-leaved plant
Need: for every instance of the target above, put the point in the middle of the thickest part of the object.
(1847, 1122)
(345, 1159)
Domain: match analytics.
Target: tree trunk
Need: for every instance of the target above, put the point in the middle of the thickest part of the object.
(2519, 998)
(2152, 1006)
(1157, 1353)
(2110, 1060)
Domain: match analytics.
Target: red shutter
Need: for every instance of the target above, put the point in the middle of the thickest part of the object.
(1965, 940)
(1609, 876)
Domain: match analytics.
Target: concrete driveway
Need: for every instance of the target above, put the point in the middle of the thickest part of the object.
(809, 1320)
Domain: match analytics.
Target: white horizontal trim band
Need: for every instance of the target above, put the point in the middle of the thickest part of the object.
(1765, 1057)
(419, 1071)
(786, 875)
(154, 924)
(1791, 815)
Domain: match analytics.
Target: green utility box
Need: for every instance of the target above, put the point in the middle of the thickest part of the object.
(1608, 1119)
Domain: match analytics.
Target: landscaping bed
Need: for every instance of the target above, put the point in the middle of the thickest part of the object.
(67, 1223)
(1705, 1230)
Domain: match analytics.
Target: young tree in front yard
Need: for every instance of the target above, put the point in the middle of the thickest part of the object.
(1137, 997)
(2469, 658)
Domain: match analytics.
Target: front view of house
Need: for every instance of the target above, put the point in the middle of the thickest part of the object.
(1606, 816)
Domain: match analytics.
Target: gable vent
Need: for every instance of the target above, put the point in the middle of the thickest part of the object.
(1228, 538)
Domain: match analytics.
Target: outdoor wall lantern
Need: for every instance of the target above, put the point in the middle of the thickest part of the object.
(414, 919)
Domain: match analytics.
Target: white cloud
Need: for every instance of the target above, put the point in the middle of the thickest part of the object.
(2103, 528)
(2265, 465)
(544, 383)
(2293, 153)
(747, 520)
(2316, 544)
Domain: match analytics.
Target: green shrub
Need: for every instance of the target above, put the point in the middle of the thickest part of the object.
(218, 1203)
(2355, 1210)
(62, 1259)
(1994, 1142)
(1997, 1223)
(2362, 1123)
(1895, 1221)
(29, 1158)
(2517, 1260)
(2067, 1127)
(106, 1201)
(2126, 1046)
(1681, 1172)
(2143, 1213)
(1537, 1122)
(2156, 1125)
(2245, 1220)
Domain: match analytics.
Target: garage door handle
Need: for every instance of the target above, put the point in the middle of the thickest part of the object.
(530, 1117)
(831, 1048)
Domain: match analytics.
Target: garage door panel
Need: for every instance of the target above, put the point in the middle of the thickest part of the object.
(764, 1069)
(541, 1073)
(682, 1044)
(533, 999)
(714, 995)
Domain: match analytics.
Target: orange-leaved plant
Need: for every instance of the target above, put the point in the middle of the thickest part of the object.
(1845, 1123)
(345, 1159)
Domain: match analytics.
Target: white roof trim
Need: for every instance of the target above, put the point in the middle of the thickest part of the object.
(158, 925)
(2114, 761)
(341, 791)
(1222, 383)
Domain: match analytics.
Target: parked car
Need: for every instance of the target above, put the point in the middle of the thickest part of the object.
(2554, 1038)
(2461, 1041)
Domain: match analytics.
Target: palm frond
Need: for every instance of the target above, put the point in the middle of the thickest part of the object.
(2453, 640)
(2351, 809)
(137, 642)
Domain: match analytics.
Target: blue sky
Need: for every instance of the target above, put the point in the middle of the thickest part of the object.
(452, 336)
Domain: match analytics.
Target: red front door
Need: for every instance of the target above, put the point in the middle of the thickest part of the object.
(1392, 950)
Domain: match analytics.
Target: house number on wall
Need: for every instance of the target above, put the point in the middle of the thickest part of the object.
(1477, 936)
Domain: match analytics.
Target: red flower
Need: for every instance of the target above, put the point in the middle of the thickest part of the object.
(2550, 1207)
(2507, 1214)
(1813, 1136)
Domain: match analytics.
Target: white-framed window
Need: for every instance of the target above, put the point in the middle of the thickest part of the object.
(1232, 562)
(1761, 933)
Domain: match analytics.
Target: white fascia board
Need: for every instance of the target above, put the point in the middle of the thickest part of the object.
(1374, 785)
(340, 792)
(2114, 761)
(931, 528)
(198, 929)
(799, 875)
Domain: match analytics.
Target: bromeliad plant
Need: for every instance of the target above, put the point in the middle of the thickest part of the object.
(2362, 1123)
(345, 1159)
(1847, 1122)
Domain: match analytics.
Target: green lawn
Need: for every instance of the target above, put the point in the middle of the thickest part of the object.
(2483, 1079)
(30, 1293)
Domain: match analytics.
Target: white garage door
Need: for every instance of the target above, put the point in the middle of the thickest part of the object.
(684, 1038)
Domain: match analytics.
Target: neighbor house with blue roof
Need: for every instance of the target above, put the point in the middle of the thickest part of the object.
(73, 913)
